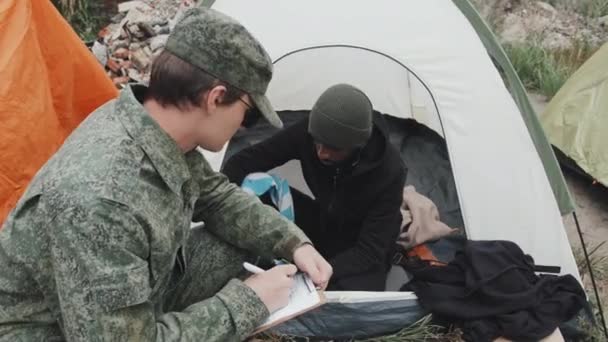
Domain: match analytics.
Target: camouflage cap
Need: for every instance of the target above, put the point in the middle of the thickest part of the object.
(222, 47)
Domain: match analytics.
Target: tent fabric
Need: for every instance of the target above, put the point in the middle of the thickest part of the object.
(576, 119)
(49, 82)
(361, 315)
(516, 87)
(425, 154)
(502, 185)
(423, 151)
(529, 115)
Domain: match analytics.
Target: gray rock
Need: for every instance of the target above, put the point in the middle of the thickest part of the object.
(147, 50)
(136, 32)
(158, 42)
(129, 5)
(101, 52)
(546, 7)
(156, 53)
(135, 75)
(132, 17)
(117, 18)
(514, 29)
(161, 30)
(136, 46)
(147, 29)
(158, 21)
(140, 59)
(117, 44)
(122, 34)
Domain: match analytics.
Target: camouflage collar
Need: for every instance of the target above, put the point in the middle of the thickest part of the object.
(166, 156)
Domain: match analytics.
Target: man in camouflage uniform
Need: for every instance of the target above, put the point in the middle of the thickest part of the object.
(100, 245)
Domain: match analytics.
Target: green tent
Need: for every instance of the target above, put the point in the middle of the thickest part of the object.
(576, 119)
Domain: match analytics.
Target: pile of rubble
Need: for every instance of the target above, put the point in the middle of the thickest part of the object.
(136, 35)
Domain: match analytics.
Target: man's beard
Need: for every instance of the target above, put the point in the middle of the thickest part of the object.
(350, 161)
(331, 163)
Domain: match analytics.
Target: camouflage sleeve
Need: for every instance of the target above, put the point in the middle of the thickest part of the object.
(242, 219)
(102, 279)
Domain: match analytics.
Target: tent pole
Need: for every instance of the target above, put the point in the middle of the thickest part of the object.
(597, 296)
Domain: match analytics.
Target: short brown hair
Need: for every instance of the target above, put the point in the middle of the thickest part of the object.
(174, 82)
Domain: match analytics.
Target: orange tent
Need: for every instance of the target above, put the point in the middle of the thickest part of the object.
(49, 82)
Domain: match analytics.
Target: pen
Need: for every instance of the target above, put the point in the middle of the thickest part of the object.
(281, 262)
(252, 268)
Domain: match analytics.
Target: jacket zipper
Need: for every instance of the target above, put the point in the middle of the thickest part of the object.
(335, 191)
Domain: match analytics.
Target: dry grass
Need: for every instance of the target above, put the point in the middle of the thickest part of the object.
(599, 262)
(423, 330)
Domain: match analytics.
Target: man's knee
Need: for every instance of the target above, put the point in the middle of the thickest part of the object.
(209, 264)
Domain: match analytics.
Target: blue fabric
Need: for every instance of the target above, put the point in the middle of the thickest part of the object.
(260, 183)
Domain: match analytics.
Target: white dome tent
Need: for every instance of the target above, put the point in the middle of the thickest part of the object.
(420, 59)
(411, 66)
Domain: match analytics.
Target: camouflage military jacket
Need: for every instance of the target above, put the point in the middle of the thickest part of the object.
(87, 253)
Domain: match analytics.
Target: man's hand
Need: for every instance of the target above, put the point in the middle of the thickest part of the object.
(273, 286)
(312, 263)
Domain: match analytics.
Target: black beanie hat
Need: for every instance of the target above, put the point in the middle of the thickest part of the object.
(341, 118)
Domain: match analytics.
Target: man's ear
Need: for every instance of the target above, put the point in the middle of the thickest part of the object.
(214, 97)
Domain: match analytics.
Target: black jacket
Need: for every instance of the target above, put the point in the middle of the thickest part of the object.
(359, 204)
(492, 290)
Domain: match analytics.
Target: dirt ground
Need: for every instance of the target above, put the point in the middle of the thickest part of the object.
(592, 212)
(591, 209)
(591, 202)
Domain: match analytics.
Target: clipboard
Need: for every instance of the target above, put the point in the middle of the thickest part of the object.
(303, 298)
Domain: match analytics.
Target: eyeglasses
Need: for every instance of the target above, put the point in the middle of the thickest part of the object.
(252, 115)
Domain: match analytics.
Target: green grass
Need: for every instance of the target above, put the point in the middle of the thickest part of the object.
(593, 8)
(587, 8)
(86, 17)
(544, 71)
